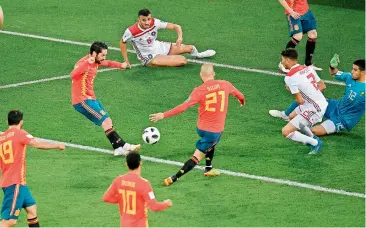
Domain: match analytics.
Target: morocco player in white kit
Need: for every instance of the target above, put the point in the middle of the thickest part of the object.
(302, 82)
(152, 52)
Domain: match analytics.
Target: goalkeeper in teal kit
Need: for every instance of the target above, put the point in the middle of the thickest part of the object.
(346, 112)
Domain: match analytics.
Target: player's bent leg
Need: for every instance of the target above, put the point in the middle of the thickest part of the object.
(32, 218)
(298, 36)
(168, 61)
(188, 165)
(178, 50)
(319, 130)
(8, 223)
(107, 124)
(313, 34)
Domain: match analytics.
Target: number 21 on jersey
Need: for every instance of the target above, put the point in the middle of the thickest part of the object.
(212, 98)
(6, 152)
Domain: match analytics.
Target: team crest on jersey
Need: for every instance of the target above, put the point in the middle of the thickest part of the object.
(296, 27)
(153, 33)
(362, 94)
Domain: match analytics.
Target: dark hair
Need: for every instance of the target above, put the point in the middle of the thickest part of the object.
(290, 53)
(14, 117)
(98, 46)
(133, 160)
(144, 12)
(360, 63)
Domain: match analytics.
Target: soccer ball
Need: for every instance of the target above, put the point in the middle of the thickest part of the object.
(151, 135)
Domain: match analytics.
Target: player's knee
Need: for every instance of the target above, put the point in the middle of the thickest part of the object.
(285, 132)
(9, 223)
(312, 34)
(107, 124)
(298, 36)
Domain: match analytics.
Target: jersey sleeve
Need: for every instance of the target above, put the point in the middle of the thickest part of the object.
(191, 101)
(111, 195)
(111, 64)
(160, 24)
(79, 69)
(236, 93)
(342, 76)
(25, 137)
(127, 36)
(149, 198)
(292, 85)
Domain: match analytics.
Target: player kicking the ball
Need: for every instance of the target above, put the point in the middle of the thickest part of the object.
(152, 52)
(85, 101)
(213, 97)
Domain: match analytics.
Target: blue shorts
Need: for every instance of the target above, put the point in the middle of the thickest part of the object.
(16, 197)
(207, 141)
(332, 114)
(304, 24)
(93, 110)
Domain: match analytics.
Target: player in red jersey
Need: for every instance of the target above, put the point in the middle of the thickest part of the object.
(85, 101)
(13, 144)
(300, 20)
(213, 97)
(134, 195)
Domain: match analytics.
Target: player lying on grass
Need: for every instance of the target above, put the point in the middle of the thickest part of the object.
(343, 113)
(152, 52)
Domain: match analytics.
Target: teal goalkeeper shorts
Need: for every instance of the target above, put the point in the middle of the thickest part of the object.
(207, 141)
(93, 110)
(16, 197)
(304, 24)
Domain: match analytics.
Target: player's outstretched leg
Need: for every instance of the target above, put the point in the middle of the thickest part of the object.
(188, 166)
(119, 145)
(192, 50)
(209, 170)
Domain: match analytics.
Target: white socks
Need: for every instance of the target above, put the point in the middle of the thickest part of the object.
(194, 52)
(298, 137)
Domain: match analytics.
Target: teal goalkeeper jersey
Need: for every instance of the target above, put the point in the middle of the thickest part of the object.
(351, 106)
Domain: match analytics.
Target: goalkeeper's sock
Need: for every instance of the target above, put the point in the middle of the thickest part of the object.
(209, 157)
(190, 164)
(292, 43)
(291, 108)
(310, 48)
(33, 222)
(114, 138)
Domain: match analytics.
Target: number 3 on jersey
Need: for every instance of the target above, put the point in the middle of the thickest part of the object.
(6, 152)
(211, 98)
(129, 201)
(313, 81)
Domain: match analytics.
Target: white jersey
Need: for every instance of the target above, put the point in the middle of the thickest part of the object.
(302, 79)
(144, 41)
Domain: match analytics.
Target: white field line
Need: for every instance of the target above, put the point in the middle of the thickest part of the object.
(53, 78)
(227, 172)
(131, 51)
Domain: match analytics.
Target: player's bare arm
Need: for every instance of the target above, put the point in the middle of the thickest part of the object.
(289, 9)
(123, 47)
(46, 145)
(321, 85)
(177, 28)
(299, 98)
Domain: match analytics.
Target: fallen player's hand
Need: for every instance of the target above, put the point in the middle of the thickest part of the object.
(61, 146)
(156, 117)
(125, 65)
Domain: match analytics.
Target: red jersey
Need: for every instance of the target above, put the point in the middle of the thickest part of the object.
(299, 6)
(12, 156)
(213, 97)
(83, 77)
(134, 195)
